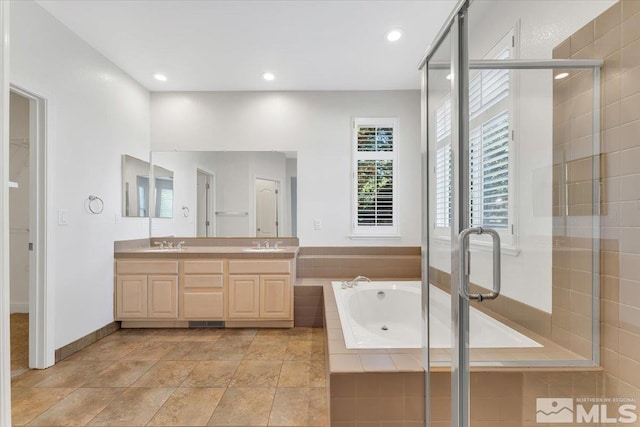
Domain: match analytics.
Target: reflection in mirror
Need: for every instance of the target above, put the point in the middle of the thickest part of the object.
(230, 194)
(163, 192)
(135, 187)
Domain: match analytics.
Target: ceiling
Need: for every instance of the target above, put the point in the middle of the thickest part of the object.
(227, 45)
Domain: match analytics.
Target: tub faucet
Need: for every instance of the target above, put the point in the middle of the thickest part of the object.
(355, 281)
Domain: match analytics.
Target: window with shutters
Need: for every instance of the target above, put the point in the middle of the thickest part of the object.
(490, 150)
(375, 171)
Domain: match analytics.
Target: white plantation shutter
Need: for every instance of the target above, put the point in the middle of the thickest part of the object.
(443, 186)
(489, 173)
(375, 175)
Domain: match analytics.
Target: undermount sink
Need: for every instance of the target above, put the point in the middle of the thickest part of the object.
(262, 249)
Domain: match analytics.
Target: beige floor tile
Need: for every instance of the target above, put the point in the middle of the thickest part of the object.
(240, 333)
(78, 408)
(226, 349)
(304, 350)
(204, 334)
(302, 373)
(273, 332)
(28, 403)
(166, 374)
(151, 350)
(243, 406)
(73, 375)
(273, 350)
(211, 373)
(105, 350)
(189, 350)
(188, 407)
(299, 407)
(134, 407)
(257, 373)
(122, 373)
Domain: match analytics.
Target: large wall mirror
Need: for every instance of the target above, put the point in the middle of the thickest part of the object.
(225, 194)
(135, 187)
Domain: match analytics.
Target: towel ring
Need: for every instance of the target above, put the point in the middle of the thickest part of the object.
(185, 211)
(95, 205)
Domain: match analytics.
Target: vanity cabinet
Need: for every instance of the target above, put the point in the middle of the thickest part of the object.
(146, 290)
(260, 290)
(202, 293)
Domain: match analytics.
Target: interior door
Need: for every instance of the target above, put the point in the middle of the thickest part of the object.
(204, 199)
(266, 208)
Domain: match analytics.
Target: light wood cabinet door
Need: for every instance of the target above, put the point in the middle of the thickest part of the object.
(131, 296)
(244, 297)
(163, 297)
(203, 305)
(275, 297)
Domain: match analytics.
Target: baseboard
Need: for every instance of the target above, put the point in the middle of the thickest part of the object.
(19, 307)
(259, 324)
(79, 344)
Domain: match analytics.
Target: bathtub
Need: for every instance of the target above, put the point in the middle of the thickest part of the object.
(388, 315)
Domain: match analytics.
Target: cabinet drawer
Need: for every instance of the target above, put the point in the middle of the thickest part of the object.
(259, 266)
(203, 305)
(203, 281)
(203, 267)
(146, 267)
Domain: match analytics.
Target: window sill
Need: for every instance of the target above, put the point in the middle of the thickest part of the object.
(374, 236)
(483, 247)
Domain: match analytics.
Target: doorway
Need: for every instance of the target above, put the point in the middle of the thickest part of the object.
(205, 204)
(31, 344)
(267, 223)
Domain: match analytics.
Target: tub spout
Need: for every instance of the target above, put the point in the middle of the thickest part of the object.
(355, 281)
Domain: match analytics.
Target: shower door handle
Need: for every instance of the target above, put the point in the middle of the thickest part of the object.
(465, 263)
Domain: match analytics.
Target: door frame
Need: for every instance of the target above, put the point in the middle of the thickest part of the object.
(41, 343)
(279, 205)
(5, 345)
(211, 206)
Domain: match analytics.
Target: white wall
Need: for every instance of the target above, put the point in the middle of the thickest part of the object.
(315, 124)
(19, 203)
(96, 113)
(527, 275)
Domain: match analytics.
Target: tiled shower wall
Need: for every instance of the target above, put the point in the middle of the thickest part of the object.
(615, 37)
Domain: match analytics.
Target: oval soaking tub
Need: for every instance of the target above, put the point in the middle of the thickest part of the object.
(388, 315)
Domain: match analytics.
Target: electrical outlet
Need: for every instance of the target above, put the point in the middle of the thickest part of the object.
(317, 224)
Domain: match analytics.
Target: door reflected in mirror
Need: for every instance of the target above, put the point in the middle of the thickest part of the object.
(135, 187)
(228, 194)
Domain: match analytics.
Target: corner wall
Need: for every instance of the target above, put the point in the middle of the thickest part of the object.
(96, 113)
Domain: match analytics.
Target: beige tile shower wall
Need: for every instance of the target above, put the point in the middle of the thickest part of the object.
(615, 37)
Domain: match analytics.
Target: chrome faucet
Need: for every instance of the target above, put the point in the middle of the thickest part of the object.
(257, 244)
(170, 245)
(276, 244)
(266, 244)
(354, 282)
(180, 245)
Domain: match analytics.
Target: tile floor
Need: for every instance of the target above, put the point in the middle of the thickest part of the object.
(182, 377)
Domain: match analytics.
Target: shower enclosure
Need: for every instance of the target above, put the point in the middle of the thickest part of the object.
(512, 207)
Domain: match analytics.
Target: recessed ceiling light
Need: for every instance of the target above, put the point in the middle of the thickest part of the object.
(394, 35)
(561, 76)
(160, 77)
(268, 76)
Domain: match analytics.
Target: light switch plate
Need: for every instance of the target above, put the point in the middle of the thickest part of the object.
(63, 217)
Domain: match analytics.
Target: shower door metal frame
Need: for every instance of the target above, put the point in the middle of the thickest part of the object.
(457, 28)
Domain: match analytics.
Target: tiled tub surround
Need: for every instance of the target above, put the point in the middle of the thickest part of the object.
(374, 387)
(615, 37)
